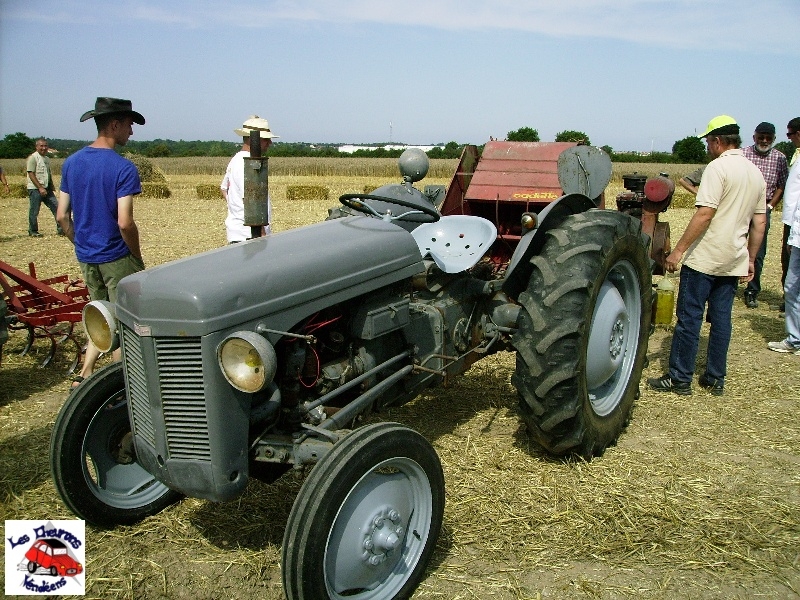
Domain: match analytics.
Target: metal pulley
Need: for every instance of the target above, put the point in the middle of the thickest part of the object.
(658, 193)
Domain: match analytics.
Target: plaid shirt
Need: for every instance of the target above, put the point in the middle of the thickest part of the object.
(772, 166)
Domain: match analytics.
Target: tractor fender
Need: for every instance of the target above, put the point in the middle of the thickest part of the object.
(519, 270)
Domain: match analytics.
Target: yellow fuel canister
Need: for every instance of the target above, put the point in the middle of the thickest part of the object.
(665, 301)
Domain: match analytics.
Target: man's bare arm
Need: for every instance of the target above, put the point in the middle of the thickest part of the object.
(127, 226)
(754, 238)
(64, 216)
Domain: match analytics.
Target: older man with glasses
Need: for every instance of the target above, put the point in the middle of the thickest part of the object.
(772, 164)
(790, 257)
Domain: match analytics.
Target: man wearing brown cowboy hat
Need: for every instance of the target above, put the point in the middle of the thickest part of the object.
(232, 185)
(95, 208)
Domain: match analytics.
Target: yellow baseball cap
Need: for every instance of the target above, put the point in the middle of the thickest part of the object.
(721, 125)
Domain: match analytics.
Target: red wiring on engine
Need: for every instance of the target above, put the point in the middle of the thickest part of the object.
(316, 378)
(309, 328)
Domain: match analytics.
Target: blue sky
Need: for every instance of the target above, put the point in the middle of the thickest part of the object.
(633, 74)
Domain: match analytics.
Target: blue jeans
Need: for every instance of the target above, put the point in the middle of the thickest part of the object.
(696, 290)
(35, 202)
(754, 285)
(791, 291)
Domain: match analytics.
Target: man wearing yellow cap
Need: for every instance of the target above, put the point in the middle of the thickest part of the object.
(718, 250)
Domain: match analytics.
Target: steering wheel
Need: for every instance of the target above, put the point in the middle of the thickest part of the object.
(357, 202)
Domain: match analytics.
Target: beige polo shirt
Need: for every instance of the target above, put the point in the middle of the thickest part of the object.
(735, 187)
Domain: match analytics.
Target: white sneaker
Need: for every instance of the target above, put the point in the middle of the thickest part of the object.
(783, 346)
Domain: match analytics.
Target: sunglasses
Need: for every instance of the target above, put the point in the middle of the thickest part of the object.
(790, 133)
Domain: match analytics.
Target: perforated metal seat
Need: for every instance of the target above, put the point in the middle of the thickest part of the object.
(456, 242)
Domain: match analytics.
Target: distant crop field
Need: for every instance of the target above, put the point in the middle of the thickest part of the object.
(346, 167)
(281, 165)
(341, 175)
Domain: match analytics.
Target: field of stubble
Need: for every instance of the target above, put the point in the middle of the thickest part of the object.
(699, 499)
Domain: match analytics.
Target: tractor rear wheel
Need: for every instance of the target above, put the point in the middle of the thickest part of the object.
(583, 330)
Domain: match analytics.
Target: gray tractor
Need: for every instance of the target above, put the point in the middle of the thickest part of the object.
(261, 357)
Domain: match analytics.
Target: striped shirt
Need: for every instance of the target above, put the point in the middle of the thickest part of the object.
(772, 166)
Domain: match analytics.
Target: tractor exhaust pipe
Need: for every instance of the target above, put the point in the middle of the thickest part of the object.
(256, 188)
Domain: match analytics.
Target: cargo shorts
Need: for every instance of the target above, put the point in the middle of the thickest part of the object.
(102, 279)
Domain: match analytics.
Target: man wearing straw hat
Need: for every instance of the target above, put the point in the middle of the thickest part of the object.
(95, 208)
(232, 185)
(718, 250)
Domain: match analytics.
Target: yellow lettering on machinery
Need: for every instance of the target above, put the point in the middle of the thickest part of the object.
(532, 195)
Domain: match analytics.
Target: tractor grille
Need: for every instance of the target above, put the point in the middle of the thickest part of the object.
(137, 387)
(180, 387)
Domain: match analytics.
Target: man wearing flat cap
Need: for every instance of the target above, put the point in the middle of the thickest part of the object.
(772, 164)
(718, 250)
(232, 185)
(95, 208)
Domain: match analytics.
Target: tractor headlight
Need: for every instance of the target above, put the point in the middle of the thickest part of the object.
(100, 324)
(247, 360)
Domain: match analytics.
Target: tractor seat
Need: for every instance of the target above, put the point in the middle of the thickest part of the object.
(456, 242)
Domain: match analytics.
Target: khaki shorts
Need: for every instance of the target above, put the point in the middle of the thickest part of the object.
(102, 279)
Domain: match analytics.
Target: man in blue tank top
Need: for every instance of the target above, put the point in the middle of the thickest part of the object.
(95, 208)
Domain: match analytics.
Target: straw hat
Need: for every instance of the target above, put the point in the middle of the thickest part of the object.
(255, 123)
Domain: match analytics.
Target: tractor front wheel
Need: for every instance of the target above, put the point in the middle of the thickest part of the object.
(366, 520)
(582, 332)
(93, 460)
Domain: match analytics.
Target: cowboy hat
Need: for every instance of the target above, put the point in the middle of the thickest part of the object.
(106, 106)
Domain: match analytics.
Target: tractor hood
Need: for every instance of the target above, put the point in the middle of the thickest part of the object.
(292, 273)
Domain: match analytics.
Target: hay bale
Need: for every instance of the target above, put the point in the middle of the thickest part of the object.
(306, 192)
(155, 190)
(208, 191)
(154, 182)
(148, 172)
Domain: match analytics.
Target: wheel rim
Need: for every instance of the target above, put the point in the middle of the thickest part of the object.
(614, 337)
(379, 532)
(109, 465)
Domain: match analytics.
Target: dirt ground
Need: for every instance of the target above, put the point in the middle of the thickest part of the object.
(700, 498)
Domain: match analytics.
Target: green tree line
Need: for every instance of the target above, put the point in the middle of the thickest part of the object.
(19, 145)
(688, 150)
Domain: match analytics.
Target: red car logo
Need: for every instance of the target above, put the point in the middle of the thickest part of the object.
(52, 555)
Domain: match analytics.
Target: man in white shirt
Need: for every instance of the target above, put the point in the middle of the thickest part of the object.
(791, 227)
(232, 185)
